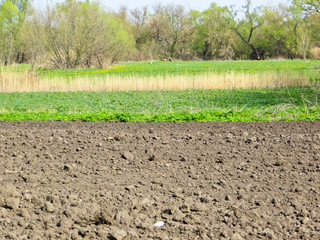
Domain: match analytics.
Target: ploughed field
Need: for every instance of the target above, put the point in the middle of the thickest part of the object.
(112, 180)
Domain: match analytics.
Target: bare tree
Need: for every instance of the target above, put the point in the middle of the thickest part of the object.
(246, 27)
(139, 18)
(76, 34)
(170, 27)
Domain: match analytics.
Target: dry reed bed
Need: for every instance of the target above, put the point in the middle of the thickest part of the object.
(29, 81)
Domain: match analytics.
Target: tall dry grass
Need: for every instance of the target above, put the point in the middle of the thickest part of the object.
(22, 81)
(29, 81)
(315, 52)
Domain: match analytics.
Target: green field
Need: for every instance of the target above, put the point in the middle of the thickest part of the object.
(194, 105)
(145, 69)
(255, 104)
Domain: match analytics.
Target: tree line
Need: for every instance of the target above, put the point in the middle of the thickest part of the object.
(75, 34)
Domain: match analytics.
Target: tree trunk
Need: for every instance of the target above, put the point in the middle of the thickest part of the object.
(249, 44)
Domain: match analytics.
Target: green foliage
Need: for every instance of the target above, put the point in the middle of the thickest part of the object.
(12, 16)
(210, 105)
(214, 40)
(74, 33)
(9, 27)
(311, 6)
(276, 34)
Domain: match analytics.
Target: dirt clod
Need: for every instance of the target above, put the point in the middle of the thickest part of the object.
(117, 234)
(128, 156)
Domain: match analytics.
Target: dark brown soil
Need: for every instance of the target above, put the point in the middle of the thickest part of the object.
(116, 180)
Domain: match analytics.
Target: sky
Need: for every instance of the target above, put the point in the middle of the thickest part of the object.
(189, 4)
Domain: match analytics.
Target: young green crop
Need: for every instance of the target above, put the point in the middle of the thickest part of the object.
(194, 105)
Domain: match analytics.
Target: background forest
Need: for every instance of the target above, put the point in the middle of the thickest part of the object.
(82, 34)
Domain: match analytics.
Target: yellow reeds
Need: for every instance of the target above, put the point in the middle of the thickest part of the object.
(29, 81)
(22, 81)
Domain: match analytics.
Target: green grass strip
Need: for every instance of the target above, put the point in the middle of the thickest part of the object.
(180, 68)
(283, 104)
(277, 113)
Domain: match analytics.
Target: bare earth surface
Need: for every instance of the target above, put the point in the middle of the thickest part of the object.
(116, 180)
